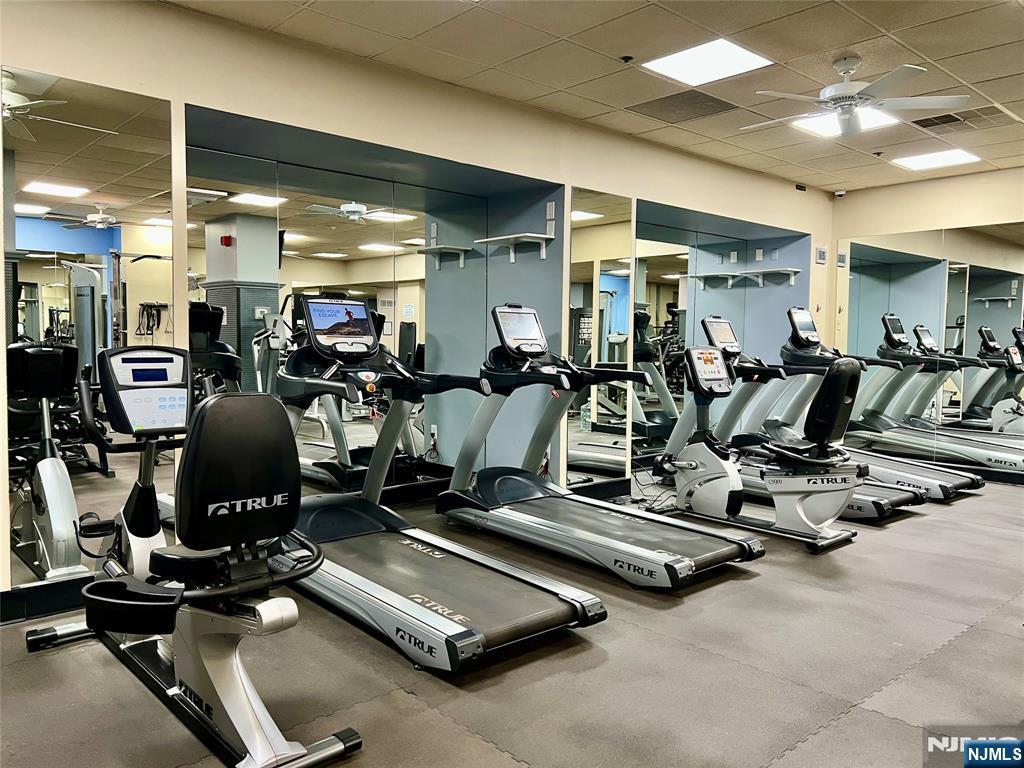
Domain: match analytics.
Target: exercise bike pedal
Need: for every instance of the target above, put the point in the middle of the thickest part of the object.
(90, 526)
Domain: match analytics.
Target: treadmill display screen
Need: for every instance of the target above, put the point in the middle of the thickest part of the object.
(341, 325)
(987, 335)
(520, 328)
(804, 322)
(895, 326)
(925, 337)
(721, 333)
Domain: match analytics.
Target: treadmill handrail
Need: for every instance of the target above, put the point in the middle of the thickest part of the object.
(755, 372)
(314, 386)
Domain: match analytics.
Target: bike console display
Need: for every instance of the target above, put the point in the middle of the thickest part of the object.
(707, 373)
(805, 332)
(722, 335)
(895, 335)
(519, 330)
(146, 390)
(340, 327)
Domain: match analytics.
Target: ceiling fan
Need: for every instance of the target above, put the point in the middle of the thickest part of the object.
(17, 108)
(845, 99)
(98, 220)
(352, 211)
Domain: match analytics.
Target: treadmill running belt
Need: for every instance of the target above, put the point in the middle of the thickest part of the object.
(574, 511)
(315, 452)
(501, 608)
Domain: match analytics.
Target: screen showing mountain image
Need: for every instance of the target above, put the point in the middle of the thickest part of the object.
(341, 324)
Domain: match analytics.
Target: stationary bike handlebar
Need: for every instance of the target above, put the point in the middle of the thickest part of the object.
(102, 442)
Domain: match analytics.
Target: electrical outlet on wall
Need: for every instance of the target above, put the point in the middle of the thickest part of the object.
(759, 254)
(734, 256)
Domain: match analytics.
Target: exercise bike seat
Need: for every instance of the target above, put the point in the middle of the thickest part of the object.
(190, 566)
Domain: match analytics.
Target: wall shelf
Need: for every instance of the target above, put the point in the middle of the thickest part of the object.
(511, 241)
(438, 250)
(987, 299)
(756, 275)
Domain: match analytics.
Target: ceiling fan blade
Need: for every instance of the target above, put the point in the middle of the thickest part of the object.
(73, 125)
(783, 120)
(42, 103)
(18, 129)
(793, 96)
(80, 225)
(847, 125)
(376, 210)
(894, 82)
(316, 208)
(924, 102)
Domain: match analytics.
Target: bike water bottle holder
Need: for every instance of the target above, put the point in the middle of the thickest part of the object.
(127, 605)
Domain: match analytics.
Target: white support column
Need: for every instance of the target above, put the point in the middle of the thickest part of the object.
(179, 235)
(5, 504)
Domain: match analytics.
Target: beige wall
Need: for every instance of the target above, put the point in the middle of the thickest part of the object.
(604, 242)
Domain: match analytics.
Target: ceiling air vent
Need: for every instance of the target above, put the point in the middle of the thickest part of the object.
(968, 120)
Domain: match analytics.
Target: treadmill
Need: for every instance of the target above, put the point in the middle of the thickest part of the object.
(804, 348)
(878, 429)
(645, 549)
(440, 603)
(873, 500)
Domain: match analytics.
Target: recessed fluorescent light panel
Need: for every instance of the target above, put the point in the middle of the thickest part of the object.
(585, 216)
(210, 192)
(707, 63)
(251, 198)
(295, 237)
(27, 209)
(289, 253)
(354, 292)
(40, 256)
(388, 216)
(828, 125)
(674, 276)
(936, 160)
(416, 241)
(330, 255)
(618, 272)
(166, 223)
(56, 190)
(380, 248)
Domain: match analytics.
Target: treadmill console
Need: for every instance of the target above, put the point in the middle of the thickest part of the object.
(804, 331)
(925, 340)
(707, 373)
(340, 329)
(1015, 358)
(721, 334)
(895, 335)
(519, 330)
(989, 344)
(1018, 336)
(146, 390)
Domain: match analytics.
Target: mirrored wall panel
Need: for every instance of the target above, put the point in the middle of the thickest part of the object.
(87, 211)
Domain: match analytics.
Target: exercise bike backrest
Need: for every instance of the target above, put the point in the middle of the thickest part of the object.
(829, 412)
(38, 370)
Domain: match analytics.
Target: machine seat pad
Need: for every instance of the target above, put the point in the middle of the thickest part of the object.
(747, 440)
(190, 566)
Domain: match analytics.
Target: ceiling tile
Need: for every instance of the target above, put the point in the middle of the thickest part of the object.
(787, 170)
(1017, 107)
(485, 37)
(645, 34)
(674, 137)
(508, 86)
(158, 147)
(254, 13)
(571, 104)
(1003, 88)
(814, 179)
(334, 33)
(688, 105)
(839, 163)
(882, 137)
(627, 87)
(720, 150)
(147, 126)
(732, 17)
(563, 17)
(883, 172)
(39, 156)
(141, 182)
(878, 56)
(781, 108)
(898, 14)
(819, 28)
(401, 18)
(981, 138)
(1009, 162)
(987, 64)
(117, 155)
(722, 124)
(623, 120)
(754, 160)
(770, 138)
(996, 151)
(911, 148)
(812, 150)
(562, 65)
(995, 25)
(742, 89)
(413, 56)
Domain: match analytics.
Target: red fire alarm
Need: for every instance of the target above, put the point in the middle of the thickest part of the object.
(227, 240)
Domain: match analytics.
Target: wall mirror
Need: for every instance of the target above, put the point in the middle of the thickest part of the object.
(600, 307)
(87, 257)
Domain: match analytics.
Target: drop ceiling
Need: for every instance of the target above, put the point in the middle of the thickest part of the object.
(564, 56)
